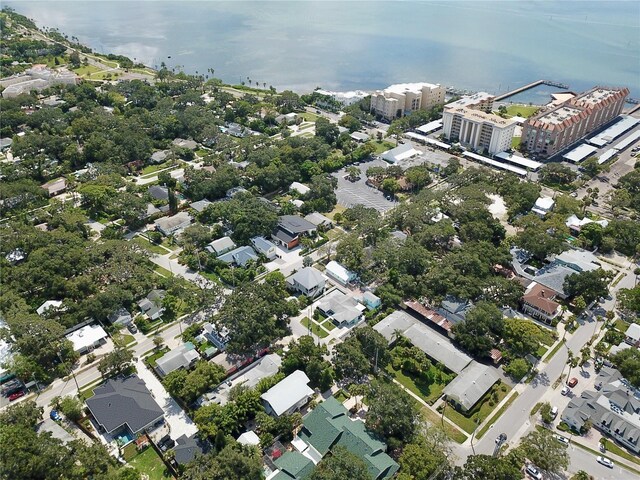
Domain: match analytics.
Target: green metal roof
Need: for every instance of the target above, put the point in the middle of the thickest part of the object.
(296, 465)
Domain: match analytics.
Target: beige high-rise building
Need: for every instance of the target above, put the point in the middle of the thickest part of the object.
(553, 130)
(482, 101)
(399, 100)
(478, 130)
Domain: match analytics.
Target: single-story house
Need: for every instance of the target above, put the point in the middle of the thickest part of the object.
(220, 246)
(249, 438)
(300, 188)
(287, 118)
(340, 274)
(182, 357)
(319, 220)
(170, 225)
(539, 302)
(632, 335)
(87, 338)
(543, 206)
(264, 247)
(159, 157)
(297, 203)
(454, 309)
(5, 143)
(232, 192)
(120, 317)
(307, 281)
(151, 305)
(370, 300)
(55, 304)
(183, 143)
(575, 224)
(158, 192)
(239, 256)
(399, 235)
(200, 205)
(187, 447)
(290, 228)
(293, 465)
(359, 137)
(55, 187)
(288, 395)
(329, 425)
(124, 407)
(343, 310)
(471, 384)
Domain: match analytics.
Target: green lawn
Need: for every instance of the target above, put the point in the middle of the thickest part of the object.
(86, 70)
(315, 328)
(152, 359)
(521, 110)
(309, 117)
(147, 245)
(382, 147)
(434, 419)
(123, 339)
(428, 392)
(615, 449)
(154, 168)
(480, 411)
(149, 463)
(202, 152)
(541, 351)
(162, 271)
(328, 325)
(515, 142)
(340, 396)
(497, 415)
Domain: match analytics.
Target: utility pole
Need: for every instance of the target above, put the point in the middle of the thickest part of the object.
(474, 434)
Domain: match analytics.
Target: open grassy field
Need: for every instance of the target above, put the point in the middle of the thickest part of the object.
(382, 146)
(147, 245)
(521, 110)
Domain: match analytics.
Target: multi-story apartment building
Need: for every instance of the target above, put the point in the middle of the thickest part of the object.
(482, 101)
(399, 100)
(477, 129)
(553, 130)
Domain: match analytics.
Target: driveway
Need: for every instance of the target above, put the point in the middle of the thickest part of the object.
(56, 430)
(178, 421)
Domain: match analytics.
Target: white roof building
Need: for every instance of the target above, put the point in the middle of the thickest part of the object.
(220, 246)
(543, 205)
(87, 338)
(300, 188)
(401, 152)
(339, 273)
(288, 395)
(575, 223)
(249, 438)
(580, 153)
(55, 304)
(633, 333)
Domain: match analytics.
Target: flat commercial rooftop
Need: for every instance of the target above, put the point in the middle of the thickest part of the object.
(430, 127)
(518, 171)
(612, 152)
(521, 161)
(624, 123)
(627, 141)
(579, 153)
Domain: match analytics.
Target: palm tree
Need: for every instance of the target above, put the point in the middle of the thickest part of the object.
(572, 361)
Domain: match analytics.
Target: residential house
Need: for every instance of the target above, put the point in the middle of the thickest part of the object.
(370, 300)
(183, 357)
(120, 317)
(232, 192)
(287, 118)
(55, 187)
(300, 188)
(151, 305)
(328, 426)
(293, 466)
(359, 137)
(200, 205)
(288, 395)
(158, 192)
(614, 409)
(187, 448)
(124, 407)
(576, 224)
(538, 301)
(307, 281)
(319, 220)
(340, 274)
(249, 438)
(343, 310)
(220, 246)
(543, 206)
(170, 225)
(454, 309)
(471, 385)
(15, 256)
(239, 256)
(289, 230)
(87, 338)
(264, 247)
(183, 143)
(49, 304)
(218, 336)
(632, 336)
(5, 143)
(160, 156)
(399, 235)
(432, 318)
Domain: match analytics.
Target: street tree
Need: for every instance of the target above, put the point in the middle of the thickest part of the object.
(542, 448)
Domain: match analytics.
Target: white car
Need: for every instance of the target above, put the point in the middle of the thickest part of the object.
(564, 391)
(562, 439)
(533, 472)
(605, 461)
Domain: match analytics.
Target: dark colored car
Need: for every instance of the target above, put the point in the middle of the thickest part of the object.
(132, 328)
(500, 439)
(55, 416)
(16, 395)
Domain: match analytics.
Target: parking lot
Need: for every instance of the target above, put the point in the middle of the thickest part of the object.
(355, 193)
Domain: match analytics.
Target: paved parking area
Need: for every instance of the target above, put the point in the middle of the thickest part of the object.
(355, 193)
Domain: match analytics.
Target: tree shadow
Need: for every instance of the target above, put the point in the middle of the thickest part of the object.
(541, 379)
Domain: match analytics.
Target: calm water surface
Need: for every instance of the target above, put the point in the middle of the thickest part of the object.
(493, 46)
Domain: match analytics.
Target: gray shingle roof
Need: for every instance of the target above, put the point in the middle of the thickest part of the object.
(308, 277)
(187, 448)
(124, 401)
(295, 224)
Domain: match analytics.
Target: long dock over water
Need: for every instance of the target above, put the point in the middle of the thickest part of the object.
(530, 86)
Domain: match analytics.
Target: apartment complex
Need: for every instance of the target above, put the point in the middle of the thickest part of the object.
(477, 129)
(482, 101)
(553, 130)
(401, 99)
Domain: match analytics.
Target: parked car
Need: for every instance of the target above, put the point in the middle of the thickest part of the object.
(573, 382)
(55, 416)
(605, 461)
(562, 439)
(500, 439)
(16, 395)
(564, 391)
(132, 328)
(554, 412)
(602, 448)
(533, 472)
(167, 445)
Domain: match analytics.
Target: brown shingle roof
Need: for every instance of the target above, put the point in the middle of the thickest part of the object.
(541, 298)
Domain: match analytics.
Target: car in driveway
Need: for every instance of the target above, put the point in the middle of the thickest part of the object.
(533, 472)
(55, 416)
(562, 439)
(573, 382)
(16, 395)
(132, 328)
(605, 461)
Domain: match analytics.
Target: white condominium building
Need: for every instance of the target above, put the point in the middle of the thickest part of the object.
(401, 99)
(478, 101)
(478, 130)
